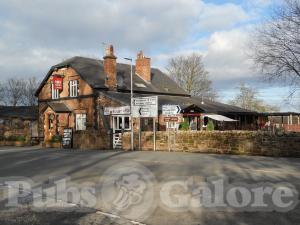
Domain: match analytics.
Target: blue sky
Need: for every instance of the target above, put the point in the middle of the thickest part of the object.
(36, 35)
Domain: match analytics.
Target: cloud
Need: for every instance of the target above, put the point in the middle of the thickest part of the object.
(226, 57)
(215, 17)
(129, 24)
(38, 34)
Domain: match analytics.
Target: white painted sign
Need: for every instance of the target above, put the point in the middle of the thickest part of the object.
(122, 110)
(143, 101)
(170, 110)
(145, 106)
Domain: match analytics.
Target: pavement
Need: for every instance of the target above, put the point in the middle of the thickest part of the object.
(94, 167)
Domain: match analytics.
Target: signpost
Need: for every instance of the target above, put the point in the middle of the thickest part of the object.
(146, 107)
(170, 112)
(171, 119)
(122, 110)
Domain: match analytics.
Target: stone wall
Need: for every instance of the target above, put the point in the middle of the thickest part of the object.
(223, 142)
(91, 140)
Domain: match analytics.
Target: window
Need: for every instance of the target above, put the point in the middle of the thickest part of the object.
(121, 122)
(54, 92)
(80, 121)
(140, 85)
(73, 88)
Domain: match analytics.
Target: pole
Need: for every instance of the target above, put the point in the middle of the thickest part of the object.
(154, 135)
(169, 141)
(131, 99)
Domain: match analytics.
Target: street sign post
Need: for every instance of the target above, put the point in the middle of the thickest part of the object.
(171, 119)
(146, 107)
(170, 110)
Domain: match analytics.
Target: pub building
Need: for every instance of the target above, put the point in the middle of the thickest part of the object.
(78, 93)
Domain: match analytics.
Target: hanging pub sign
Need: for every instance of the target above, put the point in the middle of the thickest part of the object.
(57, 82)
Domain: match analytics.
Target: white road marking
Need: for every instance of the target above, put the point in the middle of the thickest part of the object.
(118, 217)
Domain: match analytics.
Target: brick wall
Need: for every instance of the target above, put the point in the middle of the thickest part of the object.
(223, 142)
(91, 140)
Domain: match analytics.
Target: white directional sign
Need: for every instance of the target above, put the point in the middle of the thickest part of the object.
(145, 106)
(122, 110)
(170, 110)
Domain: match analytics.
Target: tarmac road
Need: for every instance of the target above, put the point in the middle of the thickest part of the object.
(91, 166)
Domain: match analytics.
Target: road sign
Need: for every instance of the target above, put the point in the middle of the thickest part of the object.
(122, 110)
(145, 106)
(171, 119)
(67, 138)
(170, 110)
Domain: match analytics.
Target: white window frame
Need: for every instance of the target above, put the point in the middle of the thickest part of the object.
(119, 123)
(80, 121)
(54, 92)
(73, 88)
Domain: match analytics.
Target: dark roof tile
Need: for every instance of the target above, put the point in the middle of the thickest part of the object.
(23, 112)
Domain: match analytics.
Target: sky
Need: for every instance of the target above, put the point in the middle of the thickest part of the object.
(38, 34)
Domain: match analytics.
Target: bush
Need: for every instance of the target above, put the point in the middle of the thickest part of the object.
(184, 126)
(11, 138)
(2, 138)
(210, 126)
(20, 138)
(55, 138)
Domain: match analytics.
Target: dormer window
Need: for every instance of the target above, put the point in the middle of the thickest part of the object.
(73, 88)
(54, 92)
(140, 85)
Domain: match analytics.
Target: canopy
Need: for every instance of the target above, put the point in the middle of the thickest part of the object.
(220, 118)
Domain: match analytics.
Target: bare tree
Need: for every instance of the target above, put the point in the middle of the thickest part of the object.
(16, 92)
(31, 86)
(247, 98)
(276, 45)
(2, 94)
(190, 74)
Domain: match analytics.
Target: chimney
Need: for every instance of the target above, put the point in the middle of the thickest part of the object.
(143, 67)
(110, 68)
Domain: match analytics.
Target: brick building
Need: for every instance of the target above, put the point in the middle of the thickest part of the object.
(76, 92)
(19, 121)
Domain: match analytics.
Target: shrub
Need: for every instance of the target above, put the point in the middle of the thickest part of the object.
(2, 138)
(11, 138)
(184, 126)
(56, 138)
(20, 138)
(210, 126)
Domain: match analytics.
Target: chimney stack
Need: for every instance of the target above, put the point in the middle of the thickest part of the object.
(143, 67)
(110, 68)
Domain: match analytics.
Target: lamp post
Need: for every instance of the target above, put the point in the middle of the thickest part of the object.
(131, 98)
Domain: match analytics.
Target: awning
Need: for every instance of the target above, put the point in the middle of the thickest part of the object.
(220, 118)
(59, 107)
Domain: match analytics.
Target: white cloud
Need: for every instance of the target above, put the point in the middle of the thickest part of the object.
(215, 17)
(226, 57)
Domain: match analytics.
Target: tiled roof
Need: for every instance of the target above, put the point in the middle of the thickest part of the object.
(92, 71)
(184, 102)
(59, 107)
(24, 112)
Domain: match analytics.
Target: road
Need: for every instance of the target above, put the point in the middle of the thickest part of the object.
(91, 166)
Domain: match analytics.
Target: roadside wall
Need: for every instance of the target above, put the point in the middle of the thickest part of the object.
(222, 142)
(91, 140)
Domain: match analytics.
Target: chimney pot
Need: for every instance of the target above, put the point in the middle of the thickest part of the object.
(143, 66)
(110, 68)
